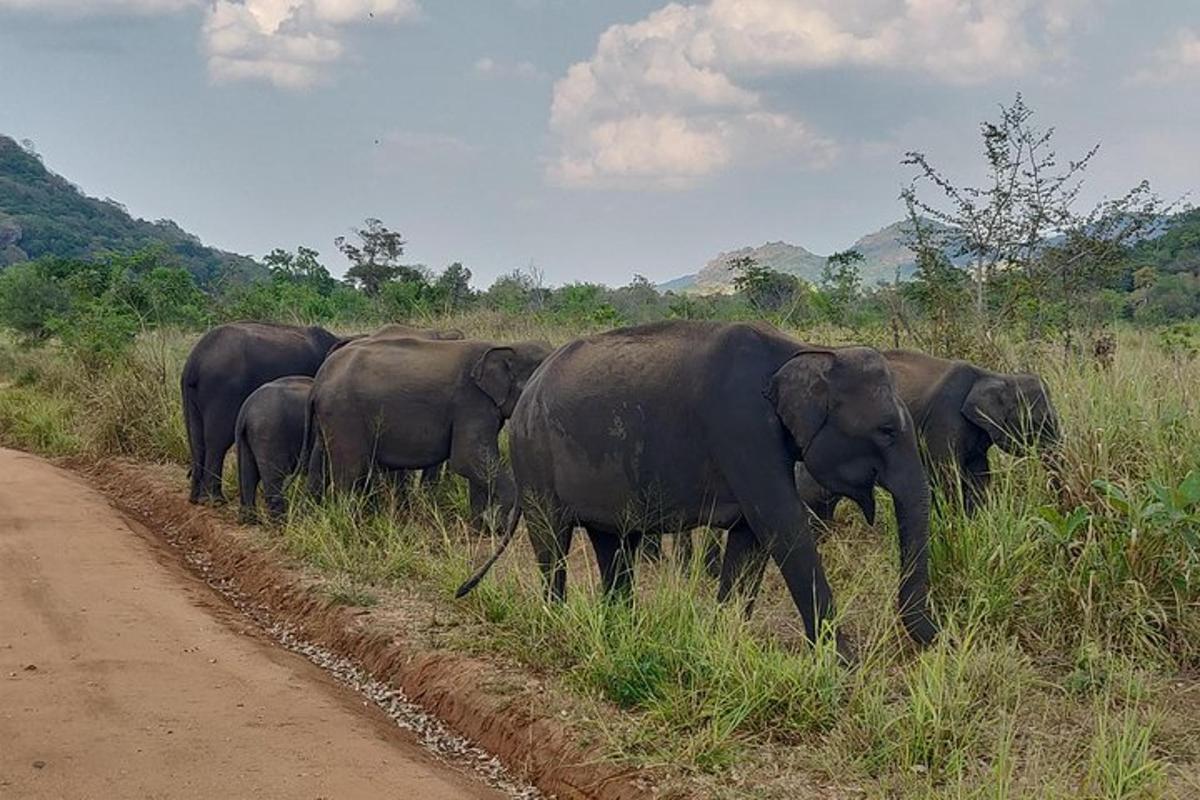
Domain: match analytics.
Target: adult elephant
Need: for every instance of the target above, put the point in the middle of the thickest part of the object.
(665, 427)
(226, 365)
(402, 404)
(961, 411)
(397, 330)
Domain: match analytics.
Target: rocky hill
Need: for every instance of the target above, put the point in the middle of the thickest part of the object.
(44, 214)
(884, 251)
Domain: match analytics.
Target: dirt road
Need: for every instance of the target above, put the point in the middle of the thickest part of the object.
(122, 676)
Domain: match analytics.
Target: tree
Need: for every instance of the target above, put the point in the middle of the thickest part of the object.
(1021, 231)
(841, 285)
(30, 300)
(768, 291)
(375, 260)
(302, 267)
(453, 287)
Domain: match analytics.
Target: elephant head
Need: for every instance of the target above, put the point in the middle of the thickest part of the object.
(1014, 410)
(322, 340)
(502, 372)
(853, 433)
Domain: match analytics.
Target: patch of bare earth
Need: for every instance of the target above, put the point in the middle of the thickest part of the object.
(501, 708)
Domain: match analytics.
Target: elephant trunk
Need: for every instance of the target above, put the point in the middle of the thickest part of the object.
(905, 480)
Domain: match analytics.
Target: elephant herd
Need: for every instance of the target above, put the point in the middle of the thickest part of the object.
(625, 435)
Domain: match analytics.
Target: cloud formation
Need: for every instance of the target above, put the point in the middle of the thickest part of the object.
(1179, 58)
(288, 43)
(670, 99)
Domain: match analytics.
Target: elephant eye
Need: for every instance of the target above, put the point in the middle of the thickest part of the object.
(888, 432)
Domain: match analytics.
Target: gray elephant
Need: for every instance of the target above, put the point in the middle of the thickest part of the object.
(270, 435)
(226, 365)
(396, 330)
(665, 427)
(404, 404)
(961, 411)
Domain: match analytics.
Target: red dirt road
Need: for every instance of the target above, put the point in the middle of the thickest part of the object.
(122, 676)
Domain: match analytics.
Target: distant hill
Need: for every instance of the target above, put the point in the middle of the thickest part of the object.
(1175, 248)
(884, 251)
(43, 214)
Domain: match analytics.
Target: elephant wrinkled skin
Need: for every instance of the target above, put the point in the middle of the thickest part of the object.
(226, 365)
(398, 404)
(664, 427)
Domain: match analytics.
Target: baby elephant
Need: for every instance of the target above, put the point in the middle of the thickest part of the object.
(270, 436)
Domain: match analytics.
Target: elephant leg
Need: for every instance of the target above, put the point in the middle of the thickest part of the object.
(685, 547)
(479, 496)
(350, 463)
(273, 481)
(975, 478)
(743, 567)
(431, 476)
(550, 537)
(475, 455)
(218, 438)
(616, 557)
(712, 553)
(248, 479)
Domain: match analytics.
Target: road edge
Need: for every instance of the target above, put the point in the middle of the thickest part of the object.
(448, 685)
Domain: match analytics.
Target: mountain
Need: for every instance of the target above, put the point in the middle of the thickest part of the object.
(43, 214)
(717, 275)
(884, 253)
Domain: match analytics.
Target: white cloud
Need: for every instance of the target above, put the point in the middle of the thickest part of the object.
(289, 43)
(1178, 59)
(669, 99)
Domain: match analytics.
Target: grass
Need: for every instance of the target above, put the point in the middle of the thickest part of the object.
(1070, 606)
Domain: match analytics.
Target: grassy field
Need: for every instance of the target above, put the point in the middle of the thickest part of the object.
(1069, 664)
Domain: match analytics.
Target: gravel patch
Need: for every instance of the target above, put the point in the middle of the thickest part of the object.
(444, 744)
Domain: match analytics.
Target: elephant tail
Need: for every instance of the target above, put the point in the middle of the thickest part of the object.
(312, 455)
(510, 530)
(248, 474)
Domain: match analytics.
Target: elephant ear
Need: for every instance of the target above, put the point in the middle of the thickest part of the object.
(990, 405)
(799, 393)
(493, 373)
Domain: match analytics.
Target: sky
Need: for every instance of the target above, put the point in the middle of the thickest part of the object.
(590, 139)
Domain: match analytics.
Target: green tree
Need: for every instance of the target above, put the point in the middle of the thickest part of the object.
(302, 267)
(452, 289)
(841, 286)
(375, 259)
(30, 300)
(768, 291)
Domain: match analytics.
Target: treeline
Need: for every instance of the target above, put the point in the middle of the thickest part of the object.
(96, 307)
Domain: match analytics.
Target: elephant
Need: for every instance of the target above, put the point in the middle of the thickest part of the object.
(961, 411)
(396, 330)
(226, 365)
(404, 404)
(270, 435)
(674, 425)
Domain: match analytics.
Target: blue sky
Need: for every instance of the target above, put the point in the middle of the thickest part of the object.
(590, 139)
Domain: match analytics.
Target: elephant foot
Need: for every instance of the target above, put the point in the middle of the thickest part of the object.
(247, 516)
(921, 629)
